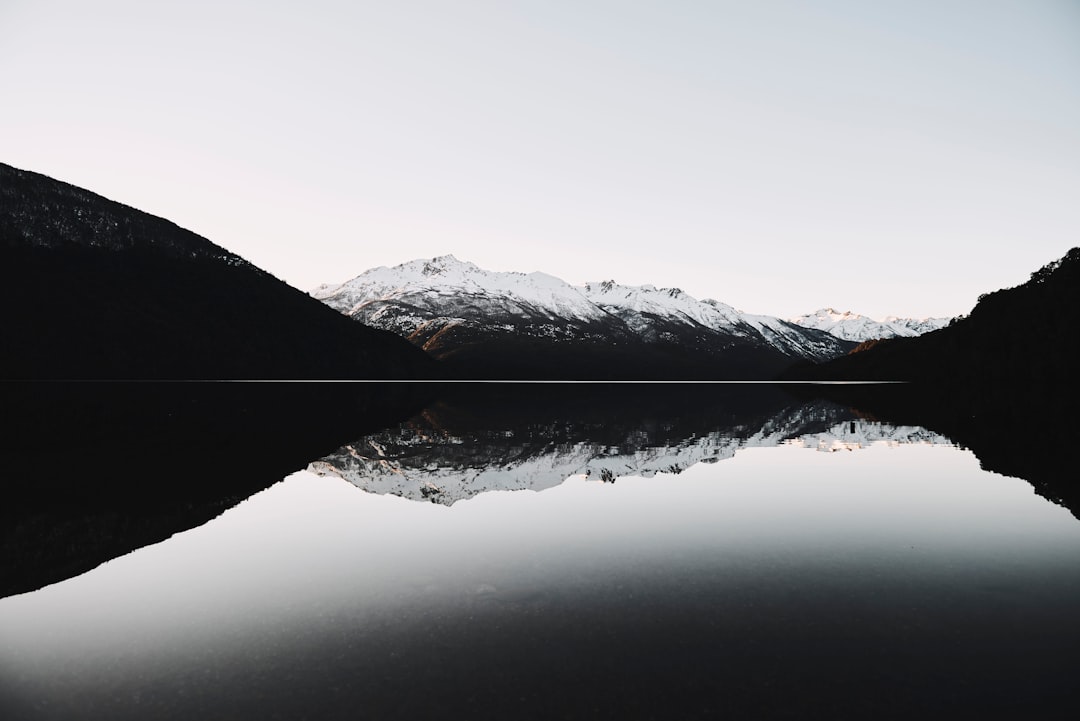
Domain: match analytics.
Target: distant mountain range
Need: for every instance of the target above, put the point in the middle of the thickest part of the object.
(859, 328)
(1018, 336)
(470, 318)
(94, 289)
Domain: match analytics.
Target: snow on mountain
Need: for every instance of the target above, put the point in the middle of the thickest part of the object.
(428, 282)
(423, 299)
(668, 303)
(859, 328)
(918, 325)
(795, 340)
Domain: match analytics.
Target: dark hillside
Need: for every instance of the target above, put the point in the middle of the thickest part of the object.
(501, 356)
(91, 289)
(1022, 335)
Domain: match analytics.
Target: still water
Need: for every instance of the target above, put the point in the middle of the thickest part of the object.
(799, 561)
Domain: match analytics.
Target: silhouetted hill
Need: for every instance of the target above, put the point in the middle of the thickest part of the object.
(91, 288)
(1027, 334)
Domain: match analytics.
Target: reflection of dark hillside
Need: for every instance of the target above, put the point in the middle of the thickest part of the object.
(1020, 430)
(93, 471)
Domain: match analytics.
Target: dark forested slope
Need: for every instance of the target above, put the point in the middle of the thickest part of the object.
(1026, 334)
(91, 288)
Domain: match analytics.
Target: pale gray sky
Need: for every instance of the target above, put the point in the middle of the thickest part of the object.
(884, 157)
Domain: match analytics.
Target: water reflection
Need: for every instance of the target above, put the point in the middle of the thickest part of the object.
(832, 565)
(439, 458)
(898, 579)
(91, 471)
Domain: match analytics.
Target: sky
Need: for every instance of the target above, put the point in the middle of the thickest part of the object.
(882, 157)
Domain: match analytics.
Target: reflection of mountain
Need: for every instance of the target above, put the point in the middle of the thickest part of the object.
(433, 458)
(1022, 430)
(92, 471)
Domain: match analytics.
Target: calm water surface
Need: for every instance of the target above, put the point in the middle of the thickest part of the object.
(805, 564)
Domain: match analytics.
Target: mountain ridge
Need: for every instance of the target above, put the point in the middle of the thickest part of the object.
(453, 308)
(855, 327)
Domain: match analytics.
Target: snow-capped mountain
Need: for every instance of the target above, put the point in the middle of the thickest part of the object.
(650, 313)
(419, 298)
(453, 309)
(445, 281)
(423, 461)
(859, 328)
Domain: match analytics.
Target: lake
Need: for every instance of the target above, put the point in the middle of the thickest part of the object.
(555, 551)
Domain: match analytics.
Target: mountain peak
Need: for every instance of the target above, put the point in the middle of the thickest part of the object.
(831, 312)
(441, 264)
(440, 285)
(855, 327)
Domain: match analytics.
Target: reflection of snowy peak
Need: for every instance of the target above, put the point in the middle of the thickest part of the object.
(855, 327)
(424, 463)
(443, 303)
(853, 435)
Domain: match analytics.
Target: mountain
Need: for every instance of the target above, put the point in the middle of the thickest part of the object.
(859, 328)
(482, 323)
(423, 297)
(658, 314)
(1029, 334)
(94, 289)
